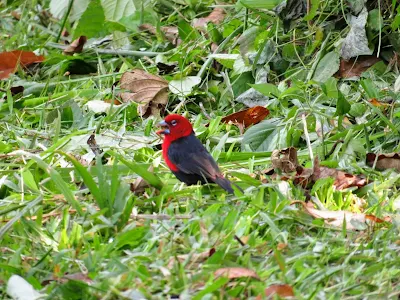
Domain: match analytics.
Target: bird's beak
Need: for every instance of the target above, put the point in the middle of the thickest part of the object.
(165, 127)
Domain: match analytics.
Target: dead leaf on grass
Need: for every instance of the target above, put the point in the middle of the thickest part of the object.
(285, 160)
(354, 221)
(150, 91)
(76, 46)
(384, 161)
(216, 17)
(342, 181)
(354, 67)
(9, 61)
(233, 273)
(247, 117)
(282, 290)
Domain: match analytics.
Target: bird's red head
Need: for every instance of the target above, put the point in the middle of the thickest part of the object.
(175, 127)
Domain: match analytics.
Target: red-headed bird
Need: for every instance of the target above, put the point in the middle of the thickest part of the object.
(186, 156)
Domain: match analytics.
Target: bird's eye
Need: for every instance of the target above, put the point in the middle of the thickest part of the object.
(173, 122)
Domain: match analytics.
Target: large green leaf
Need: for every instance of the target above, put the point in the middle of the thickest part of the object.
(117, 9)
(342, 106)
(327, 66)
(265, 136)
(91, 23)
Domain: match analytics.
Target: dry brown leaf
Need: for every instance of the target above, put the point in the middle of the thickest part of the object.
(9, 61)
(336, 218)
(282, 290)
(343, 180)
(354, 67)
(76, 46)
(384, 161)
(150, 91)
(233, 273)
(216, 17)
(247, 117)
(285, 160)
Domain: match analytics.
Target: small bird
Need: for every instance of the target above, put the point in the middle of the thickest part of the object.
(186, 156)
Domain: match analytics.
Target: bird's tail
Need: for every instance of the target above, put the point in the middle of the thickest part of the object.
(224, 183)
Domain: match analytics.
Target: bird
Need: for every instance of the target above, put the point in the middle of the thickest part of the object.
(186, 156)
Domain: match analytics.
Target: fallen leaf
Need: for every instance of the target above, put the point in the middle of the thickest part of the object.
(93, 145)
(76, 46)
(384, 161)
(233, 273)
(247, 117)
(216, 17)
(354, 221)
(377, 103)
(342, 181)
(150, 91)
(281, 246)
(9, 61)
(282, 290)
(285, 160)
(355, 66)
(16, 15)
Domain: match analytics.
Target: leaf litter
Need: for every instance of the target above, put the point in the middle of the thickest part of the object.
(148, 90)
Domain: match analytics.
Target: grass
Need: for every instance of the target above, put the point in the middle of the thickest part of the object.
(73, 228)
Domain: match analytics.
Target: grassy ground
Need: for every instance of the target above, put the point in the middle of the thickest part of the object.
(74, 229)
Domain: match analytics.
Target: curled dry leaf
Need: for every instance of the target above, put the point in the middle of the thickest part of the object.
(9, 61)
(247, 117)
(343, 180)
(216, 17)
(384, 161)
(282, 290)
(336, 218)
(150, 91)
(76, 46)
(354, 67)
(285, 160)
(233, 273)
(377, 103)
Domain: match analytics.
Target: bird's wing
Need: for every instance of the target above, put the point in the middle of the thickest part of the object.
(191, 157)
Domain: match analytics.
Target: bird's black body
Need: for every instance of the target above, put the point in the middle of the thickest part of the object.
(194, 163)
